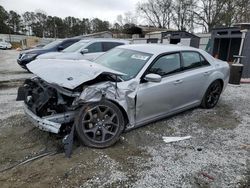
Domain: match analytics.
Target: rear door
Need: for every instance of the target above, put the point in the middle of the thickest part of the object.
(195, 73)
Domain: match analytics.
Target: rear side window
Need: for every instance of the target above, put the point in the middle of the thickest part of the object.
(109, 45)
(193, 60)
(204, 62)
(95, 47)
(167, 64)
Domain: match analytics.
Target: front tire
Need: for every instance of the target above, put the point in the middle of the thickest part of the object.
(212, 95)
(99, 124)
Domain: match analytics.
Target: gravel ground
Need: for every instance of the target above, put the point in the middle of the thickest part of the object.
(217, 155)
(9, 69)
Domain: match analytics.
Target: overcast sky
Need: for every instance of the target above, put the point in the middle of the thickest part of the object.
(103, 9)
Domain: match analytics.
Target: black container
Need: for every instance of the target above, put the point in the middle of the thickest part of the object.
(235, 73)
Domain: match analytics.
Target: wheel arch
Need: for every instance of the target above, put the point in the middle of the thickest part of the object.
(124, 113)
(217, 75)
(221, 82)
(213, 77)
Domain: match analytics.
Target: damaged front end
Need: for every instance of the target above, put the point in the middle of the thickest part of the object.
(61, 88)
(53, 108)
(48, 106)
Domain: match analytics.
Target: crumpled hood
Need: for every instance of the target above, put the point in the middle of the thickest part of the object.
(49, 55)
(68, 73)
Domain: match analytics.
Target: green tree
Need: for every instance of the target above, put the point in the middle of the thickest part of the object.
(85, 26)
(29, 19)
(98, 25)
(4, 28)
(131, 29)
(14, 22)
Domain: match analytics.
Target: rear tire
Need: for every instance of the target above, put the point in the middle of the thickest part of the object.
(100, 124)
(212, 95)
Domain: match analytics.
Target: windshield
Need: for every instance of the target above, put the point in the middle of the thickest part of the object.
(75, 47)
(126, 61)
(52, 44)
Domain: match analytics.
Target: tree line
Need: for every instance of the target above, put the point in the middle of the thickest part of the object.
(188, 14)
(176, 14)
(42, 25)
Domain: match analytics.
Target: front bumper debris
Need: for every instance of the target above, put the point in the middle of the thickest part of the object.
(50, 123)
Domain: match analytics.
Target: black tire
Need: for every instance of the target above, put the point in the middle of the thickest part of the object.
(212, 95)
(100, 124)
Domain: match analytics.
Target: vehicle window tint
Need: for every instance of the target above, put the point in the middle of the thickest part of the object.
(109, 45)
(166, 64)
(204, 62)
(191, 60)
(95, 47)
(67, 44)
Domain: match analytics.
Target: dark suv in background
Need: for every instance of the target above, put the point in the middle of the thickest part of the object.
(27, 56)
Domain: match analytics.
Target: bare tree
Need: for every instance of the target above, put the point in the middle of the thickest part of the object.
(229, 13)
(130, 18)
(208, 13)
(243, 11)
(119, 19)
(156, 12)
(127, 18)
(183, 14)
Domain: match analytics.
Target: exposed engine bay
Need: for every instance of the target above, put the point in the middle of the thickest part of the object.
(47, 100)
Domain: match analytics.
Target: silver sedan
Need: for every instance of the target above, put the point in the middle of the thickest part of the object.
(127, 87)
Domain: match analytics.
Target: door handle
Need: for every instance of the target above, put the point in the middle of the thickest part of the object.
(206, 73)
(178, 81)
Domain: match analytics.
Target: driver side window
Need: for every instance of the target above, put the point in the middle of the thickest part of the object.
(166, 64)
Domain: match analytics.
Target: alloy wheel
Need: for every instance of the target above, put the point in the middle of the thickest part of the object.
(100, 123)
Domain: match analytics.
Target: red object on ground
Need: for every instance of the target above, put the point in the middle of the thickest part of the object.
(245, 81)
(207, 176)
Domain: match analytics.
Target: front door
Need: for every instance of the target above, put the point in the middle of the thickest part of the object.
(157, 99)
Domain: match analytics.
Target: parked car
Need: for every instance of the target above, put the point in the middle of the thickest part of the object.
(127, 87)
(5, 45)
(40, 45)
(88, 49)
(27, 56)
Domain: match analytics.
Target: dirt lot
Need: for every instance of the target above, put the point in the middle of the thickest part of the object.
(217, 155)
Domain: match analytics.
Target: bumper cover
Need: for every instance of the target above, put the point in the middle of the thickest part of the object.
(50, 123)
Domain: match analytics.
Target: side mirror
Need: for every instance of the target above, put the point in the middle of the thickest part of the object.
(60, 48)
(152, 77)
(84, 51)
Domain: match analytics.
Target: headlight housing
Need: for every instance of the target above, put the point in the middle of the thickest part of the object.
(28, 56)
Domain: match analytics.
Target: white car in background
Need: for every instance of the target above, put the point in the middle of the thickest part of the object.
(86, 49)
(5, 45)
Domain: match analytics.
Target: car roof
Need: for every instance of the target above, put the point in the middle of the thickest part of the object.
(70, 39)
(157, 48)
(104, 40)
